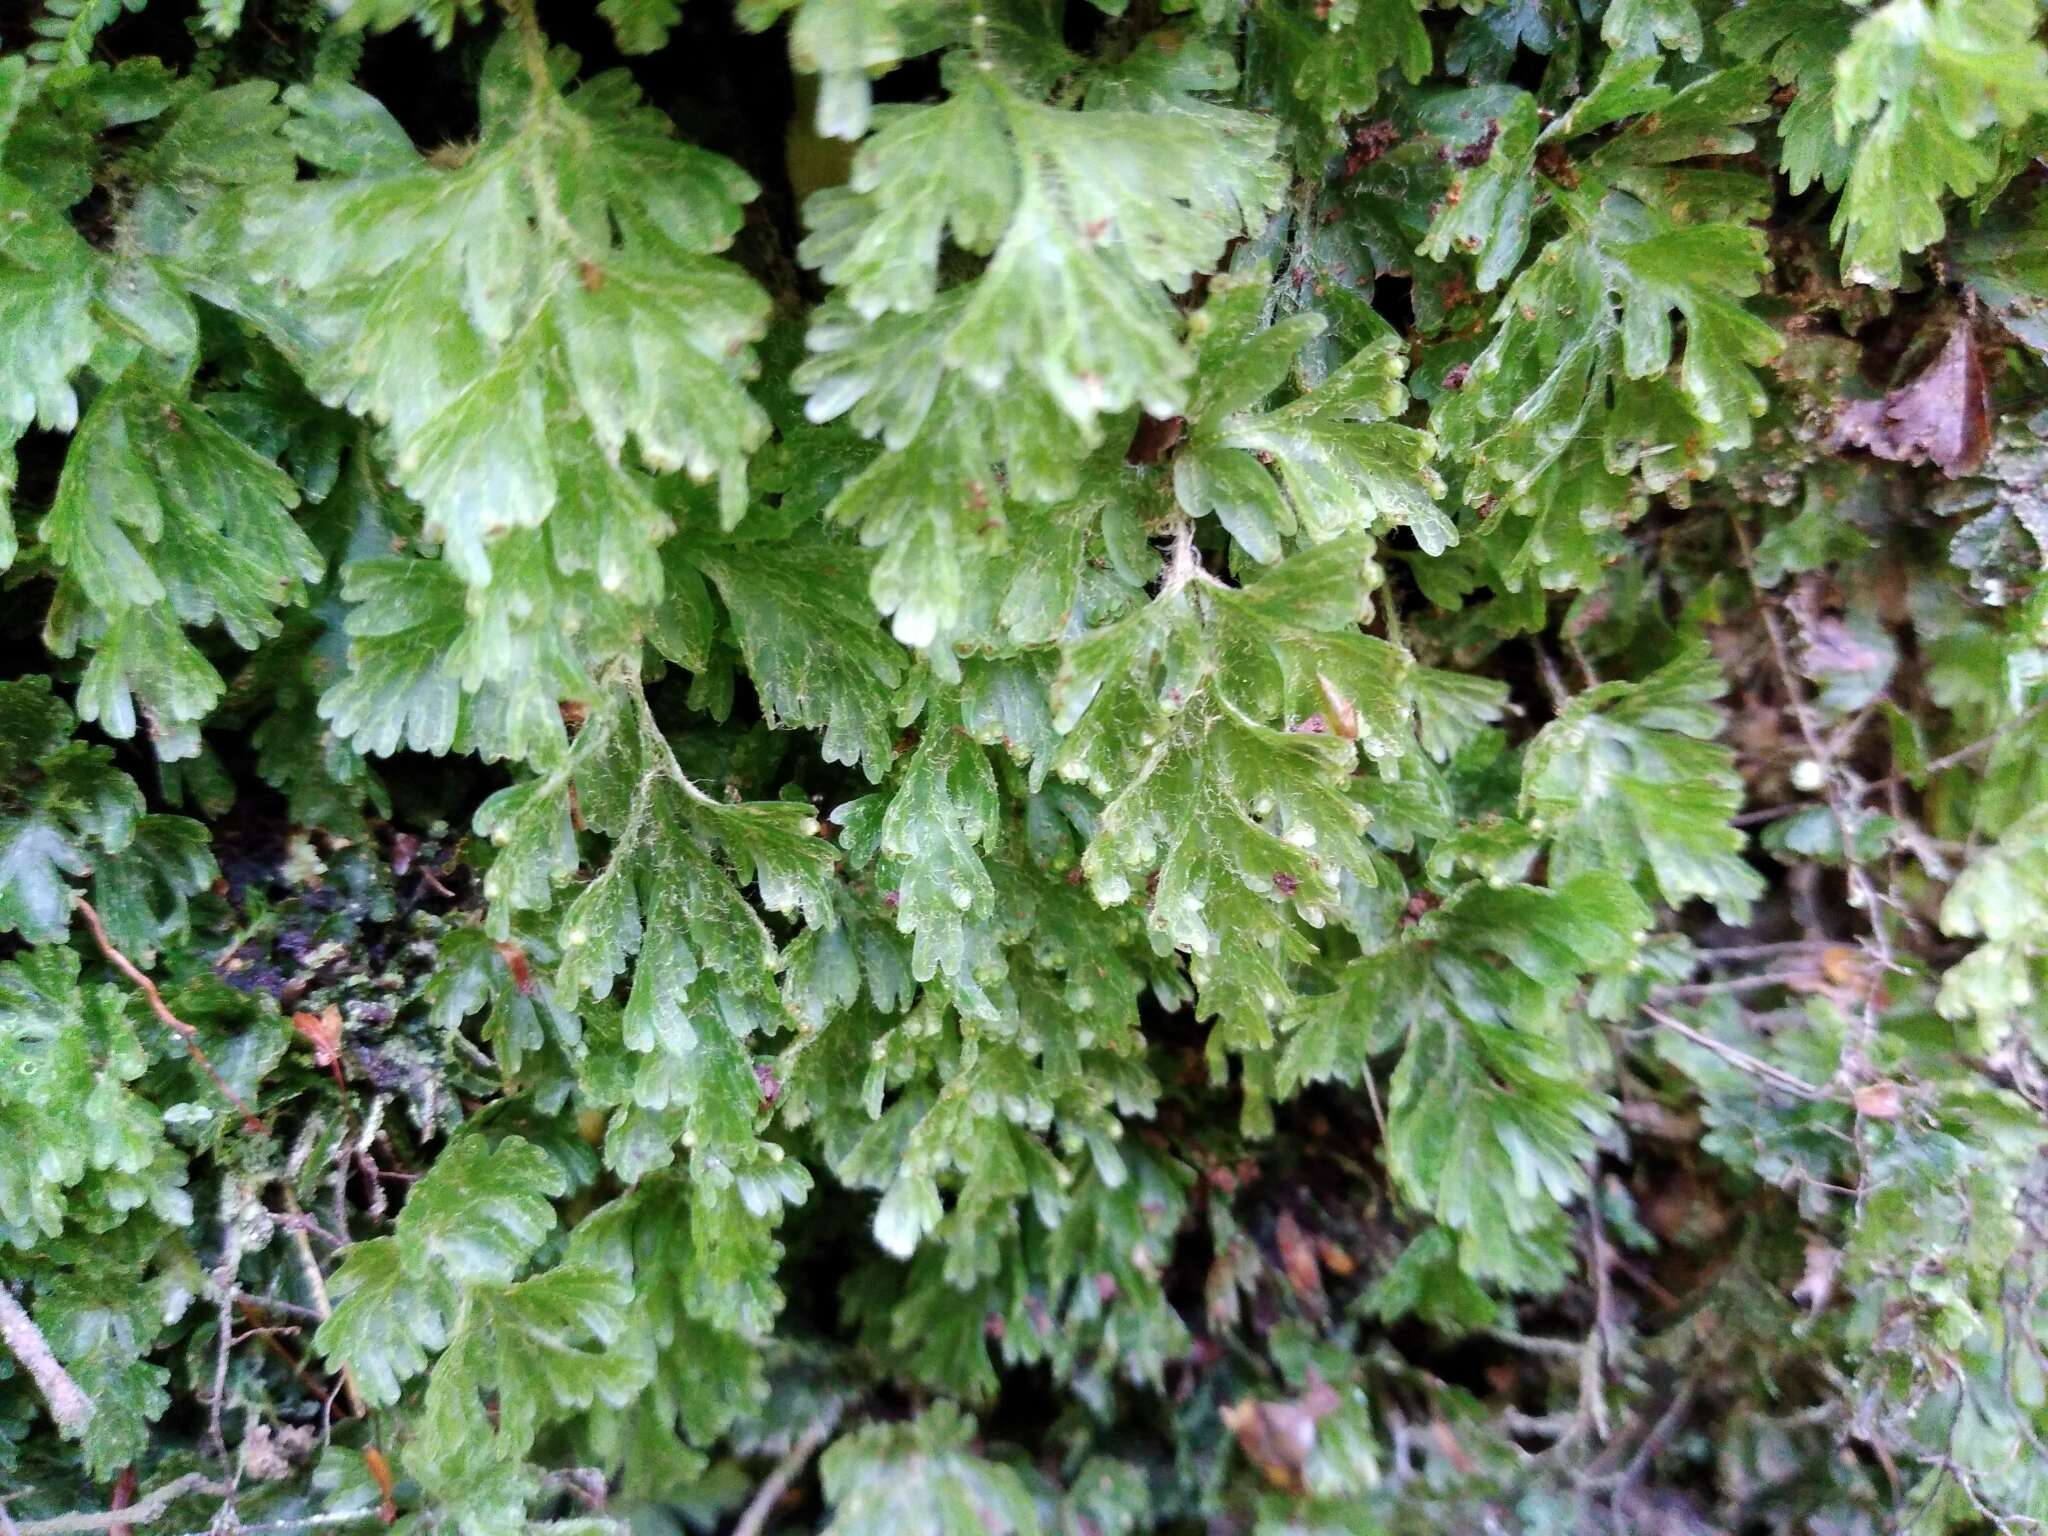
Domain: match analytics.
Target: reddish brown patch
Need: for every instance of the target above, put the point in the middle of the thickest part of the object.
(520, 967)
(1369, 144)
(1155, 438)
(1480, 150)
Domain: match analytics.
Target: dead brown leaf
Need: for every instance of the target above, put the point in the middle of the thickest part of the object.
(1817, 1283)
(1279, 1437)
(1154, 438)
(1298, 1260)
(323, 1031)
(1335, 1259)
(1880, 1101)
(520, 967)
(271, 1455)
(1832, 647)
(1943, 416)
(1849, 977)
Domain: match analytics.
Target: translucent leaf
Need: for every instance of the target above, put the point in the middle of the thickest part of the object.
(521, 315)
(481, 1212)
(1629, 779)
(1203, 720)
(921, 1478)
(164, 518)
(387, 1322)
(1920, 92)
(65, 810)
(47, 277)
(77, 1146)
(1343, 462)
(808, 636)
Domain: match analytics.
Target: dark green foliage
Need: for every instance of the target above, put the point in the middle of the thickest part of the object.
(1034, 770)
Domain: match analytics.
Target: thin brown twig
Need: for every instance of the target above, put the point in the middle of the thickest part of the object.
(301, 1523)
(1697, 989)
(1740, 1059)
(177, 1026)
(151, 1506)
(1855, 1063)
(1729, 954)
(69, 1406)
(1962, 755)
(1597, 1358)
(124, 1495)
(269, 1338)
(755, 1516)
(316, 1287)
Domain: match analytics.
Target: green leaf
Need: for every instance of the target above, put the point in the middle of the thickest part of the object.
(1999, 899)
(1100, 208)
(1488, 210)
(163, 518)
(1202, 722)
(1572, 411)
(141, 892)
(641, 26)
(387, 1320)
(47, 277)
(1490, 1130)
(921, 1478)
(539, 1350)
(944, 807)
(65, 810)
(703, 1339)
(1921, 92)
(1330, 60)
(101, 1335)
(562, 283)
(421, 677)
(809, 639)
(1638, 27)
(844, 42)
(435, 18)
(1491, 1120)
(2005, 262)
(1344, 463)
(1801, 40)
(482, 1211)
(1089, 221)
(1629, 779)
(77, 1146)
(64, 29)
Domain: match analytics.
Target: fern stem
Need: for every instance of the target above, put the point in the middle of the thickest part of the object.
(251, 1121)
